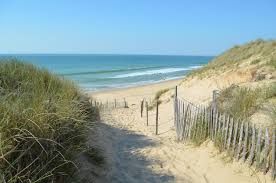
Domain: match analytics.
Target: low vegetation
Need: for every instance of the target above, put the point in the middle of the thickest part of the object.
(157, 98)
(243, 102)
(256, 52)
(43, 124)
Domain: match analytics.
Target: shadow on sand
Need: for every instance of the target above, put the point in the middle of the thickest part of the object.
(124, 163)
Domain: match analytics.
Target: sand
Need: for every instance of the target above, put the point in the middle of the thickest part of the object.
(135, 154)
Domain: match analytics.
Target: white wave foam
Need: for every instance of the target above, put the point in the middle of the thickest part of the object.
(156, 71)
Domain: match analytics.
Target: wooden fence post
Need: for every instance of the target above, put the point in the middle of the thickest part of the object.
(230, 133)
(273, 151)
(253, 143)
(156, 129)
(235, 137)
(214, 102)
(266, 150)
(175, 107)
(244, 150)
(147, 106)
(240, 142)
(259, 148)
(226, 131)
(125, 102)
(142, 107)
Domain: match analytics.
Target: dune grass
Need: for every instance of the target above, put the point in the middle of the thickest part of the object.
(43, 124)
(157, 98)
(242, 102)
(259, 50)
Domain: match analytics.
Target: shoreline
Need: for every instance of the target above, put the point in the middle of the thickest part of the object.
(167, 82)
(133, 94)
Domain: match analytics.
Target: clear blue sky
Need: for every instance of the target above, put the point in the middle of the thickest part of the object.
(193, 27)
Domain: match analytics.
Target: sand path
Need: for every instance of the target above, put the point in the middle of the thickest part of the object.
(135, 154)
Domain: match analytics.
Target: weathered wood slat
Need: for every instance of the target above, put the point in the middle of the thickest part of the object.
(223, 126)
(184, 121)
(266, 150)
(196, 124)
(235, 137)
(179, 118)
(209, 121)
(206, 123)
(157, 118)
(273, 151)
(244, 151)
(216, 124)
(226, 131)
(258, 148)
(186, 116)
(253, 145)
(193, 125)
(219, 124)
(189, 121)
(230, 133)
(202, 122)
(240, 141)
(213, 123)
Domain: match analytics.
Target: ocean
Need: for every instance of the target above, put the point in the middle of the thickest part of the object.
(102, 72)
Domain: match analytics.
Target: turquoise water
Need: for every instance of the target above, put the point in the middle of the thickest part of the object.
(98, 72)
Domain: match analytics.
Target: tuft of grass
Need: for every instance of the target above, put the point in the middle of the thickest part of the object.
(242, 102)
(43, 124)
(160, 93)
(157, 98)
(256, 61)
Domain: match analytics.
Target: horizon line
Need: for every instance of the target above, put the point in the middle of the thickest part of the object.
(111, 54)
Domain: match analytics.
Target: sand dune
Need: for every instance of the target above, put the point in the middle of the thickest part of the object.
(136, 154)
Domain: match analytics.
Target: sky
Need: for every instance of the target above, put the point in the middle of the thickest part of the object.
(167, 27)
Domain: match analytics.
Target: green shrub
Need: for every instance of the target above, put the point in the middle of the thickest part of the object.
(241, 102)
(43, 124)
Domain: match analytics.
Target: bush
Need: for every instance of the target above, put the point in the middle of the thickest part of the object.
(43, 124)
(241, 102)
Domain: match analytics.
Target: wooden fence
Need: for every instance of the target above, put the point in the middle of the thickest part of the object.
(110, 104)
(242, 140)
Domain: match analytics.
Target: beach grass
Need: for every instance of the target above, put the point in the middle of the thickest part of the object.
(43, 124)
(259, 51)
(242, 102)
(157, 98)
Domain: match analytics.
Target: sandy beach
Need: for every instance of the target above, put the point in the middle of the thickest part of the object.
(136, 154)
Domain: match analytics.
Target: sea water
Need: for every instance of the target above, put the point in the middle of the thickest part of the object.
(101, 72)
